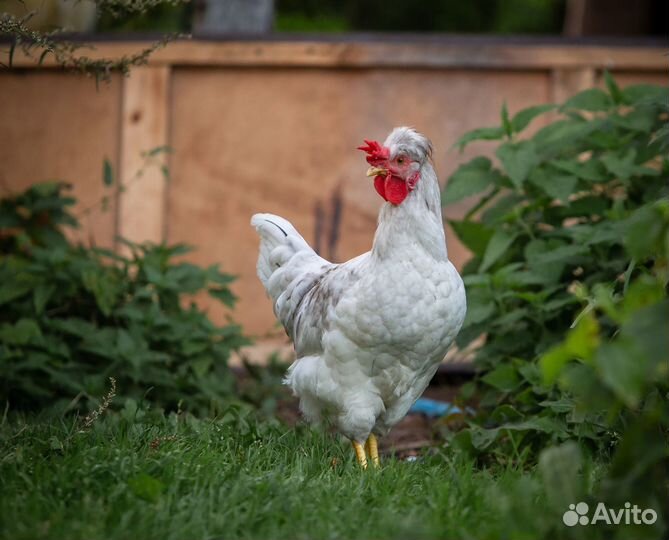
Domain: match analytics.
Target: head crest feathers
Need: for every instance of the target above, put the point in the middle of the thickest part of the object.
(376, 153)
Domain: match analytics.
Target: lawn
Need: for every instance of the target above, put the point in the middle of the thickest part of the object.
(140, 474)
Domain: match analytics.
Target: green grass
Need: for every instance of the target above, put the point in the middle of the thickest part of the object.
(139, 474)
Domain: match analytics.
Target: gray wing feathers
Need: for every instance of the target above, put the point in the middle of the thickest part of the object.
(287, 266)
(279, 242)
(303, 286)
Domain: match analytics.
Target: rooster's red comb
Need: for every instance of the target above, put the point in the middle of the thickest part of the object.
(375, 152)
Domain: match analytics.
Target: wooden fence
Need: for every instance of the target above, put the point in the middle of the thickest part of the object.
(272, 126)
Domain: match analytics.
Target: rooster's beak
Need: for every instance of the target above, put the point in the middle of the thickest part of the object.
(376, 171)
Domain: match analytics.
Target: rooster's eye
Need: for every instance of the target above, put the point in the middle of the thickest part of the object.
(400, 160)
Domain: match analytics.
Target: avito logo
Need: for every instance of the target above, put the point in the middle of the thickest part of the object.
(630, 514)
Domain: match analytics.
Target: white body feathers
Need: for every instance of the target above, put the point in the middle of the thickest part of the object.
(370, 333)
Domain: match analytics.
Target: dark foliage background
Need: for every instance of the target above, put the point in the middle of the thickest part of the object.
(568, 288)
(73, 316)
(482, 16)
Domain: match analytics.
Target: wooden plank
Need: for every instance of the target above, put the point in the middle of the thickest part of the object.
(627, 78)
(567, 82)
(59, 127)
(144, 125)
(384, 54)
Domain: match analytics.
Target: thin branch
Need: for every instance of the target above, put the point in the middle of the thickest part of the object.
(34, 43)
(120, 8)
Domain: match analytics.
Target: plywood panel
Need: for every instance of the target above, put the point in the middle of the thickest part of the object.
(283, 141)
(57, 126)
(143, 131)
(627, 78)
(567, 82)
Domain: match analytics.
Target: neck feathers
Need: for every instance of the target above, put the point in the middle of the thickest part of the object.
(414, 224)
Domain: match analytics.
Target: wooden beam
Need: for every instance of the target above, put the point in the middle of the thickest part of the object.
(383, 54)
(144, 126)
(567, 82)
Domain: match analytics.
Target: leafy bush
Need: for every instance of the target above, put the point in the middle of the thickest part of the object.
(568, 281)
(71, 316)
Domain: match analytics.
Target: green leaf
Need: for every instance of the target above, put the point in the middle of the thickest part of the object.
(474, 235)
(624, 167)
(11, 290)
(201, 366)
(24, 331)
(592, 170)
(564, 137)
(592, 100)
(107, 172)
(214, 274)
(129, 411)
(165, 170)
(469, 179)
(544, 424)
(586, 206)
(505, 414)
(556, 304)
(521, 119)
(55, 444)
(483, 438)
(504, 377)
(510, 320)
(506, 123)
(537, 248)
(478, 312)
(641, 119)
(644, 231)
(224, 295)
(583, 339)
(557, 186)
(178, 249)
(581, 343)
(617, 96)
(562, 405)
(645, 94)
(102, 288)
(486, 134)
(560, 468)
(643, 292)
(164, 149)
(497, 246)
(41, 296)
(518, 160)
(647, 329)
(622, 369)
(189, 278)
(146, 487)
(561, 254)
(73, 326)
(553, 362)
(503, 207)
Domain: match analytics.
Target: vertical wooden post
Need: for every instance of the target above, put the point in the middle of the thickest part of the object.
(566, 82)
(144, 126)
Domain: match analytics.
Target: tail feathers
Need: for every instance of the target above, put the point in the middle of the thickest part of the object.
(279, 241)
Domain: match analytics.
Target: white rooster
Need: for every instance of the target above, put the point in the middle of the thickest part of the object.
(369, 333)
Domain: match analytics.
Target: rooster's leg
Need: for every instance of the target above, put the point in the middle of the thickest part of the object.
(373, 450)
(360, 454)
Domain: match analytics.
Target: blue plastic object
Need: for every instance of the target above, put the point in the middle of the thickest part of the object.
(434, 408)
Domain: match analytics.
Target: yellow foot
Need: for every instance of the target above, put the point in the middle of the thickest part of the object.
(360, 454)
(373, 450)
